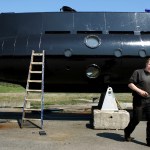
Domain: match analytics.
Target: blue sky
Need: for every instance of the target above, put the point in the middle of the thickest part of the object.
(79, 5)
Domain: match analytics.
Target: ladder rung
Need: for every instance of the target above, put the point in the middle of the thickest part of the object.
(36, 100)
(36, 63)
(33, 119)
(29, 109)
(37, 81)
(32, 90)
(37, 54)
(35, 71)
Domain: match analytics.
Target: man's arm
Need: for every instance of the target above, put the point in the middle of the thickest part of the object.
(138, 90)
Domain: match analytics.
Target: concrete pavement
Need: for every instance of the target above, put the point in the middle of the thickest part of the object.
(64, 131)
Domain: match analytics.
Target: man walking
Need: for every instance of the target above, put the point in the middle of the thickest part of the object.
(139, 83)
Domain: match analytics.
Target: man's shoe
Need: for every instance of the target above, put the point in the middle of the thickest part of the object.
(127, 137)
(148, 144)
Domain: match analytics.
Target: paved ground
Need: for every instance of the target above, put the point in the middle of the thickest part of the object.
(64, 131)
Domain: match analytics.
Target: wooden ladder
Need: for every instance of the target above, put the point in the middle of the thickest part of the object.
(34, 87)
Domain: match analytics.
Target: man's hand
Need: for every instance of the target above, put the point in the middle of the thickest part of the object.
(138, 90)
(143, 93)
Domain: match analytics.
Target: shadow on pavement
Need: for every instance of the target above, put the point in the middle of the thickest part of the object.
(117, 137)
(48, 115)
(8, 115)
(113, 136)
(138, 142)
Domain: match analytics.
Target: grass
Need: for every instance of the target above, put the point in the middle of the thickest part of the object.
(12, 93)
(123, 97)
(10, 88)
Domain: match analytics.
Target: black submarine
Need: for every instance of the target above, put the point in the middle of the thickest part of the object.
(84, 51)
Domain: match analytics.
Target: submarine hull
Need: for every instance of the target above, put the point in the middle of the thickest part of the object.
(87, 52)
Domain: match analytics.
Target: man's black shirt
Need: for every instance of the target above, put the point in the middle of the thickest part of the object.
(141, 78)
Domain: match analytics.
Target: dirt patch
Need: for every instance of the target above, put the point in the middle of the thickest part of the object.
(8, 125)
(60, 136)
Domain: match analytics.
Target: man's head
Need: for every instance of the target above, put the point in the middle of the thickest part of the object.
(147, 67)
